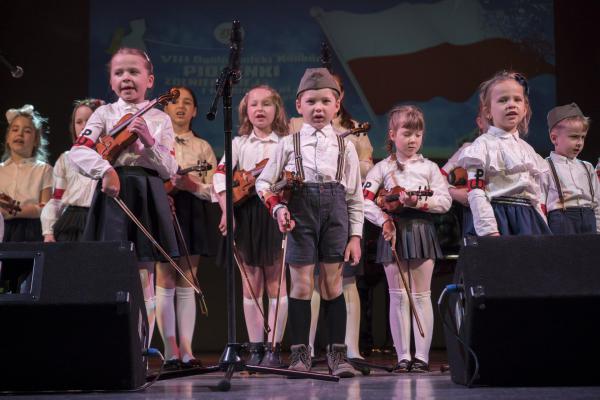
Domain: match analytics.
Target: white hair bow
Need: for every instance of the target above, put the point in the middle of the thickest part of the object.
(12, 113)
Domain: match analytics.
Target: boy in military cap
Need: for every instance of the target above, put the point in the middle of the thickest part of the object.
(571, 188)
(324, 216)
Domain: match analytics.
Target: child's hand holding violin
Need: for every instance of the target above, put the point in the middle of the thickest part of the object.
(408, 201)
(140, 128)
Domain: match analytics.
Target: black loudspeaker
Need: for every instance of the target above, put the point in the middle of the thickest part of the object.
(528, 309)
(73, 317)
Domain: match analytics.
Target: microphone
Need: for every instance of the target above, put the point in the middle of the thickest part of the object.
(15, 71)
(235, 40)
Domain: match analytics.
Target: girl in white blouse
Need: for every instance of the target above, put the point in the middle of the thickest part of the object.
(63, 218)
(191, 195)
(24, 174)
(262, 123)
(504, 172)
(407, 225)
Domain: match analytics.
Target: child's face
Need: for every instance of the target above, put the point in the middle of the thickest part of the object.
(21, 138)
(82, 114)
(408, 142)
(129, 77)
(507, 105)
(183, 110)
(568, 142)
(318, 107)
(261, 108)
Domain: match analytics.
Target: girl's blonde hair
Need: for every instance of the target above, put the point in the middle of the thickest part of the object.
(408, 117)
(135, 52)
(280, 122)
(39, 122)
(485, 90)
(92, 104)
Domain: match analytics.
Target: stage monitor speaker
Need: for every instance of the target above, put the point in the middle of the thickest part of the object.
(528, 309)
(73, 317)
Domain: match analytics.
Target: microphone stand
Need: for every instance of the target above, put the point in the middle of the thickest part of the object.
(230, 360)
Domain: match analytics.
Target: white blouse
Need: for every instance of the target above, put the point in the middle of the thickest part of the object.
(70, 189)
(24, 180)
(189, 150)
(246, 152)
(160, 157)
(416, 172)
(509, 166)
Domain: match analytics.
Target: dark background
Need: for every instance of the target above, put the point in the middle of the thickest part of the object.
(50, 40)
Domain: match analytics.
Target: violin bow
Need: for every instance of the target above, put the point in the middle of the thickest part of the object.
(186, 251)
(242, 269)
(146, 233)
(407, 288)
(281, 276)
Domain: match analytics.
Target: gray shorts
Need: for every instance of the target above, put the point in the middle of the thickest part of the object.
(321, 232)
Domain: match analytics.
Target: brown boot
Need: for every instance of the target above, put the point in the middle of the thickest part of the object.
(300, 358)
(337, 361)
(272, 357)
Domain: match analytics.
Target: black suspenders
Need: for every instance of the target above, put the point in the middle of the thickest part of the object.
(561, 197)
(341, 161)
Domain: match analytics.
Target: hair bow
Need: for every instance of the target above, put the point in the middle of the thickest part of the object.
(523, 82)
(12, 113)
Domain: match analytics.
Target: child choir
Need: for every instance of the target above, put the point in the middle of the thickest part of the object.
(507, 188)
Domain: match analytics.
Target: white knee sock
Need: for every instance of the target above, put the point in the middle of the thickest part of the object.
(165, 316)
(424, 308)
(186, 320)
(281, 317)
(315, 306)
(400, 322)
(151, 312)
(254, 321)
(352, 319)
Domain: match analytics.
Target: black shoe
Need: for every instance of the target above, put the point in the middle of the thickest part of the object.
(193, 363)
(272, 358)
(403, 365)
(257, 351)
(172, 365)
(419, 366)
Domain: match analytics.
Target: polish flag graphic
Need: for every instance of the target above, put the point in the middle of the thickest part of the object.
(415, 52)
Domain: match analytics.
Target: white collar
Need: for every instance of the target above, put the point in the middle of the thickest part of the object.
(501, 133)
(128, 107)
(272, 137)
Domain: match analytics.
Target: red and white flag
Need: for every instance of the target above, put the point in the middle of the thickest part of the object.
(415, 52)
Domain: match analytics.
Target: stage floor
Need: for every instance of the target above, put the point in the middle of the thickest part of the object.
(378, 385)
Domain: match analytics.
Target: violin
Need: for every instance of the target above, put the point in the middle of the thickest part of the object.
(243, 184)
(284, 186)
(458, 177)
(363, 128)
(389, 200)
(201, 167)
(10, 205)
(110, 146)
